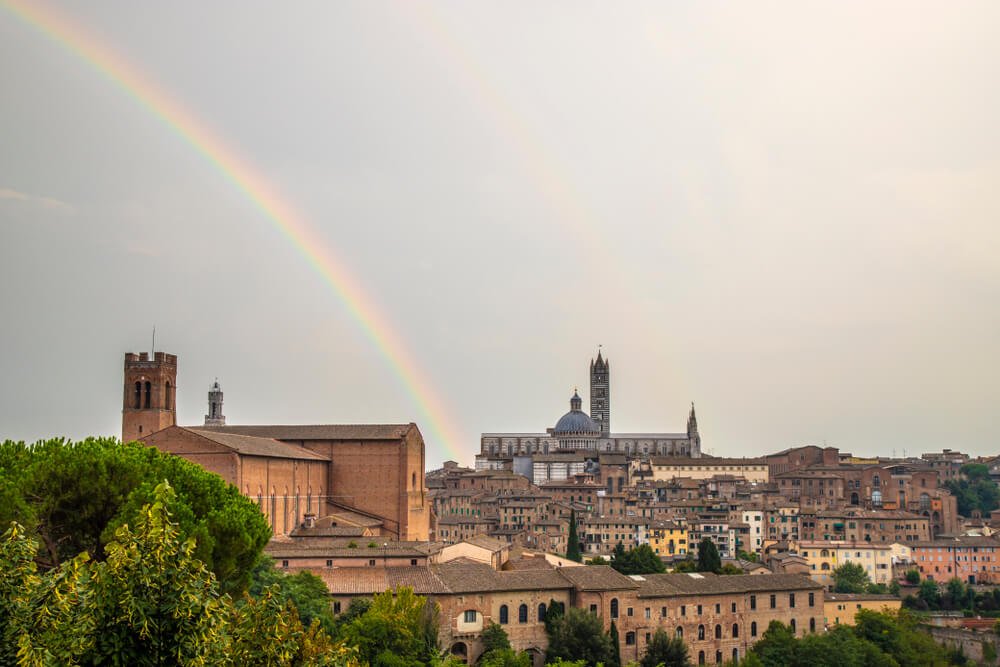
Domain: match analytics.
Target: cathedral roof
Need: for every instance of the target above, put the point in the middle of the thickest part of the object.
(576, 420)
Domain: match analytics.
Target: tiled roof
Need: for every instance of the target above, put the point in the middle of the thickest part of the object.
(339, 548)
(253, 446)
(319, 431)
(597, 578)
(660, 585)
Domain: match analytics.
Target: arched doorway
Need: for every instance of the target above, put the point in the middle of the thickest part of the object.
(460, 651)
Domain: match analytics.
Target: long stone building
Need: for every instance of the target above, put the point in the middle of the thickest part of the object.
(291, 471)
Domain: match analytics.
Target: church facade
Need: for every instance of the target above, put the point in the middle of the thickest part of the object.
(578, 433)
(365, 475)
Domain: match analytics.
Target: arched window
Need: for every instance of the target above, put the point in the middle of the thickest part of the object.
(718, 632)
(522, 614)
(138, 395)
(877, 498)
(812, 625)
(614, 607)
(701, 632)
(680, 632)
(736, 630)
(504, 617)
(701, 657)
(753, 628)
(925, 501)
(718, 657)
(824, 566)
(791, 624)
(541, 613)
(149, 394)
(166, 396)
(876, 481)
(736, 655)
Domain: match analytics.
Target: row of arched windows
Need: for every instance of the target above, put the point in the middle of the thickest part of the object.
(522, 614)
(143, 397)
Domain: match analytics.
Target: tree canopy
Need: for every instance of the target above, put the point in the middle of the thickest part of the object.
(976, 491)
(149, 602)
(708, 556)
(639, 560)
(876, 640)
(850, 578)
(579, 635)
(665, 650)
(75, 495)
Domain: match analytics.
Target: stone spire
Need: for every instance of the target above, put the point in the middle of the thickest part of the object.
(600, 392)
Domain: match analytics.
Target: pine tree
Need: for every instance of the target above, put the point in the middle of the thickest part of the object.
(708, 556)
(573, 548)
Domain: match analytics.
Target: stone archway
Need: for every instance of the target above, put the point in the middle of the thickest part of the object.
(460, 651)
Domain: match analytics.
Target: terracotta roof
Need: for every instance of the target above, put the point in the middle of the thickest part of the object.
(319, 431)
(660, 585)
(597, 578)
(339, 548)
(253, 446)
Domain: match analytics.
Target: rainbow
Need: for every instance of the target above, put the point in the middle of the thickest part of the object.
(252, 184)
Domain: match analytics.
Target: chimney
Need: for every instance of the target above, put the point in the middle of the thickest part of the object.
(309, 521)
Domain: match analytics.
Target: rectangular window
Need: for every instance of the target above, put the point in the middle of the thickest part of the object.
(774, 601)
(470, 616)
(628, 611)
(812, 599)
(648, 613)
(718, 608)
(791, 600)
(683, 610)
(593, 609)
(336, 607)
(753, 602)
(699, 610)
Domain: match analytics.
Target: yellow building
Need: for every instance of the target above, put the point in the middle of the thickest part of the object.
(668, 538)
(841, 608)
(825, 556)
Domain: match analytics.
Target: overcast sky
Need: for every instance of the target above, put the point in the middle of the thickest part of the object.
(788, 213)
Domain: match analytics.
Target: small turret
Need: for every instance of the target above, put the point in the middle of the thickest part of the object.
(215, 416)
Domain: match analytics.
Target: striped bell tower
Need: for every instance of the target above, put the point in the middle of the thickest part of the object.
(600, 392)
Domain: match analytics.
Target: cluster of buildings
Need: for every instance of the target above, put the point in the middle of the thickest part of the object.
(352, 504)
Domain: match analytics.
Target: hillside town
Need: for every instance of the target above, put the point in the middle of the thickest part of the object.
(548, 518)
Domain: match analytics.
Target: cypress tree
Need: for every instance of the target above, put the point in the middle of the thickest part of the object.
(617, 647)
(573, 548)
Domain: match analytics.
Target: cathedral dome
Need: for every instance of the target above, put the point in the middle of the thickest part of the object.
(576, 420)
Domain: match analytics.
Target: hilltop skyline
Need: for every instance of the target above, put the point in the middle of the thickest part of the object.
(436, 213)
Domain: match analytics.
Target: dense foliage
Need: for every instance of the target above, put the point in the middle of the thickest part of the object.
(955, 595)
(303, 589)
(579, 635)
(708, 556)
(876, 640)
(665, 650)
(149, 602)
(639, 560)
(976, 491)
(75, 495)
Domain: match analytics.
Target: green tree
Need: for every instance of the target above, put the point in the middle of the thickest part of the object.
(494, 639)
(505, 658)
(665, 650)
(708, 556)
(913, 577)
(640, 560)
(686, 565)
(729, 568)
(75, 496)
(578, 635)
(304, 590)
(573, 542)
(616, 645)
(839, 647)
(929, 592)
(850, 578)
(394, 631)
(899, 636)
(598, 560)
(776, 646)
(748, 556)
